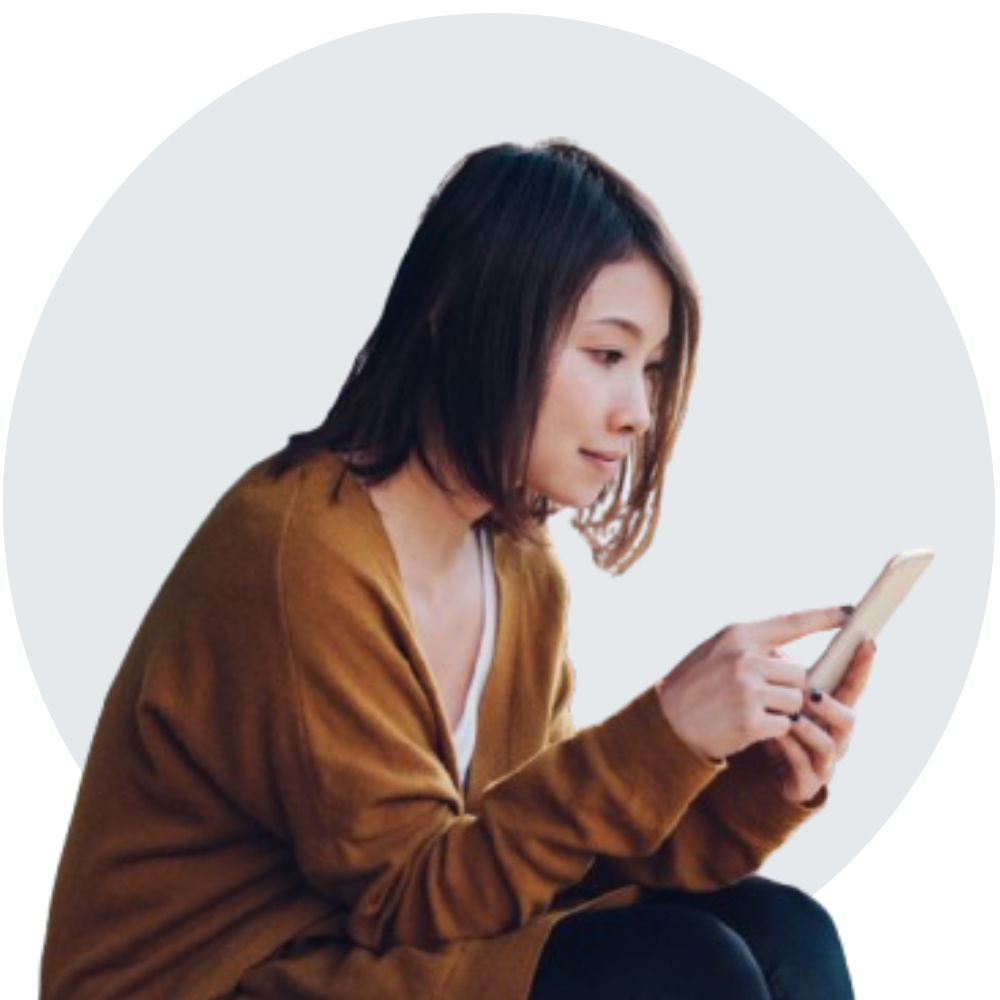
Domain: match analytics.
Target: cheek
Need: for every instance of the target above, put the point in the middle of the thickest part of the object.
(556, 428)
(574, 387)
(555, 433)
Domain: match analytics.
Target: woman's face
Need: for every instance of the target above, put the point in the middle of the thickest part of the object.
(598, 399)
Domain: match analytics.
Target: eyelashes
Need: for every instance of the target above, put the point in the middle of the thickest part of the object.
(610, 358)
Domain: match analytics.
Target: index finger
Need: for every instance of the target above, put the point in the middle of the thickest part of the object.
(788, 628)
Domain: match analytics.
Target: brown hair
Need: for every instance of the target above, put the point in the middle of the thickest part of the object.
(461, 356)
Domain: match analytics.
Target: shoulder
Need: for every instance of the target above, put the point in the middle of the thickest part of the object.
(332, 511)
(267, 535)
(314, 512)
(281, 569)
(330, 550)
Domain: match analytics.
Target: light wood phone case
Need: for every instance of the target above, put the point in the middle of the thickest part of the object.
(877, 606)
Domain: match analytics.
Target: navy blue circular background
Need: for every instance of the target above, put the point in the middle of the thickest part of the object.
(216, 302)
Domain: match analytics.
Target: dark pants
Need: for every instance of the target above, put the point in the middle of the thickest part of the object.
(754, 940)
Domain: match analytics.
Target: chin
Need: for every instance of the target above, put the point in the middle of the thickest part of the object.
(563, 496)
(570, 487)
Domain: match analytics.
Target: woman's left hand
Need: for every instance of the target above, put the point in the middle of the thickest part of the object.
(806, 756)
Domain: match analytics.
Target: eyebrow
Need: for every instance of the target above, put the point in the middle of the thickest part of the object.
(628, 326)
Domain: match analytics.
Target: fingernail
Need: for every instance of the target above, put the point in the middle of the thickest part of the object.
(795, 716)
(815, 695)
(848, 609)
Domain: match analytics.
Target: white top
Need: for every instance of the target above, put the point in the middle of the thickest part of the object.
(464, 734)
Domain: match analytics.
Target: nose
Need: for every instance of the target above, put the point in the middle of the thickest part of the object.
(632, 414)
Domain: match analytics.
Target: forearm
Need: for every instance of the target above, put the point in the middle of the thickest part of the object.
(729, 830)
(615, 789)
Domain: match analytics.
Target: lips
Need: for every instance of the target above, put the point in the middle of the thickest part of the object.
(606, 462)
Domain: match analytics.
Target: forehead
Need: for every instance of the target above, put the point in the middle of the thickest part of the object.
(634, 291)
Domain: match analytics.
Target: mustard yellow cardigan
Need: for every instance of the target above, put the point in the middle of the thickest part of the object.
(271, 807)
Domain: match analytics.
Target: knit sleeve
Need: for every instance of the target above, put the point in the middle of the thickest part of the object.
(377, 821)
(727, 832)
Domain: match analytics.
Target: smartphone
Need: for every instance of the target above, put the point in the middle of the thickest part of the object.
(875, 609)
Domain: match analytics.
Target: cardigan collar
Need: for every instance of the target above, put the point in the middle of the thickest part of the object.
(492, 748)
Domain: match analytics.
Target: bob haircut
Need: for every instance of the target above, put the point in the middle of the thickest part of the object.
(455, 371)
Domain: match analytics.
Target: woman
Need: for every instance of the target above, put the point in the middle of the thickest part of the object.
(338, 761)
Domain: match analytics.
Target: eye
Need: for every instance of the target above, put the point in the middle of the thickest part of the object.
(657, 370)
(608, 358)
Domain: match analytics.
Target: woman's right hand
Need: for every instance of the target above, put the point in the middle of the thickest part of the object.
(737, 689)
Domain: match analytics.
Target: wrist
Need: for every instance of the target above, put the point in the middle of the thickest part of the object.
(671, 715)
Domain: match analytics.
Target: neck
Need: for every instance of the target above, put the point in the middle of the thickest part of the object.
(429, 528)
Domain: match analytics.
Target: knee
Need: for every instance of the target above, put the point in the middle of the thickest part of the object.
(701, 952)
(790, 908)
(648, 952)
(729, 966)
